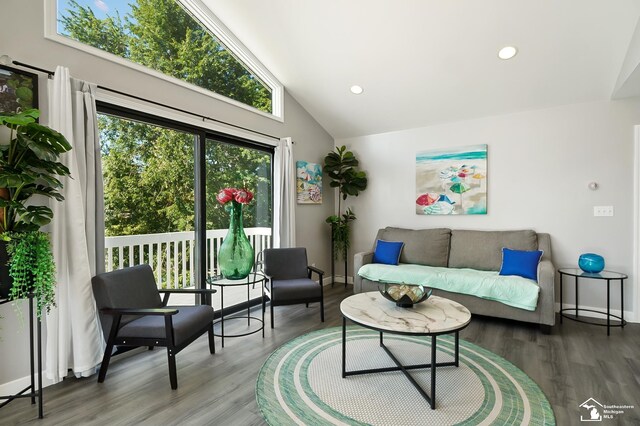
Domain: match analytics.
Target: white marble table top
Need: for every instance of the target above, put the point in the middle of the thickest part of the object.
(433, 316)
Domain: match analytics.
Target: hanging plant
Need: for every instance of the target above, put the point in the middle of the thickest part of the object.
(32, 268)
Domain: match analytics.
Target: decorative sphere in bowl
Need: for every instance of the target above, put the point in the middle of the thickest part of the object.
(405, 295)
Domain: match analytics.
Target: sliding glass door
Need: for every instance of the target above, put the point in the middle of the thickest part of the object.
(161, 179)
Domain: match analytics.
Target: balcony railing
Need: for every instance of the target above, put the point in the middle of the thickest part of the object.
(171, 254)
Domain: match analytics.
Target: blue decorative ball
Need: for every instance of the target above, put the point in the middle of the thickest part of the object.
(591, 262)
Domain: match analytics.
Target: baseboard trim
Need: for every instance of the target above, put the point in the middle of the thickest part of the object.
(628, 315)
(17, 385)
(339, 279)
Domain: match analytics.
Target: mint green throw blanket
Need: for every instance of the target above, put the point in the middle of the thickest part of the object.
(511, 290)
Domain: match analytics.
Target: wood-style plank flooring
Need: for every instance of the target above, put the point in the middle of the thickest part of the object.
(572, 364)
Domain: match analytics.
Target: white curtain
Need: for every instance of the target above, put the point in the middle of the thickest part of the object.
(74, 336)
(284, 194)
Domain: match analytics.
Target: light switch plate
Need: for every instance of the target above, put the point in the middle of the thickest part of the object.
(603, 210)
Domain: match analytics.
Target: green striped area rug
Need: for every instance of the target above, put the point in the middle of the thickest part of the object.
(301, 384)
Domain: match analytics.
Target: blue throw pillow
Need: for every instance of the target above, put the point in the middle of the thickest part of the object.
(520, 262)
(387, 252)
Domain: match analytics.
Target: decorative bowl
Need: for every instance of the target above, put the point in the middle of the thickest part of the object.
(405, 295)
(591, 262)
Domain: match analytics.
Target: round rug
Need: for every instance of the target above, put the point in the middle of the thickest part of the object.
(301, 383)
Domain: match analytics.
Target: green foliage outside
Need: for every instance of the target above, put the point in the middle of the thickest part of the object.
(149, 179)
(161, 35)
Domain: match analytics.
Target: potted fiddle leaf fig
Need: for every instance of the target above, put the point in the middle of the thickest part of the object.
(29, 166)
(341, 166)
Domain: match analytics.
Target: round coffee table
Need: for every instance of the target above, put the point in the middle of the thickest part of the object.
(433, 317)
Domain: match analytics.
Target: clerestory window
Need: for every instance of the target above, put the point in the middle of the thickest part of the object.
(168, 36)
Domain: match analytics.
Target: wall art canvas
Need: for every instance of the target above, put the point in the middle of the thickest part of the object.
(308, 182)
(18, 90)
(452, 181)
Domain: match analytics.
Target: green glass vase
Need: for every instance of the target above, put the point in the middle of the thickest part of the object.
(236, 255)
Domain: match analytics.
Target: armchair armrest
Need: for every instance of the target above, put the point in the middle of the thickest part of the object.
(189, 290)
(316, 270)
(134, 311)
(206, 292)
(546, 299)
(320, 273)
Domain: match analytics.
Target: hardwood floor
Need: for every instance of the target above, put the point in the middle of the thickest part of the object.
(572, 364)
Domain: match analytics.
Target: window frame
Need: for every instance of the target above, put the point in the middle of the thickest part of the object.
(202, 14)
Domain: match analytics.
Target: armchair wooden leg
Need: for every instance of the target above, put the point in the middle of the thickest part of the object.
(171, 352)
(271, 312)
(322, 297)
(173, 376)
(212, 343)
(115, 325)
(105, 363)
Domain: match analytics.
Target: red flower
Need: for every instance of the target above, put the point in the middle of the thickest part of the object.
(225, 195)
(243, 196)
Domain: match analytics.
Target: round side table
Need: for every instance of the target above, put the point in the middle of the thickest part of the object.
(607, 276)
(254, 278)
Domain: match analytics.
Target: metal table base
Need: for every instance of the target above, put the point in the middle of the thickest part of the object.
(430, 398)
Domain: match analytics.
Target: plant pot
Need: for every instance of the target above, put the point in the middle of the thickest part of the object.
(5, 279)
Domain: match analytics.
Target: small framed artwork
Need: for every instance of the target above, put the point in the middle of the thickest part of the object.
(308, 182)
(18, 90)
(452, 181)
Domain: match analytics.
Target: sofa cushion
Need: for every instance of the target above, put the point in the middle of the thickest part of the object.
(522, 263)
(387, 252)
(483, 249)
(421, 246)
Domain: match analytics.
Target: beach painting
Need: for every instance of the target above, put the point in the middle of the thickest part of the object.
(308, 182)
(452, 181)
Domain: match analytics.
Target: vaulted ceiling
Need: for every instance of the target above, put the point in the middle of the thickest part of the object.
(422, 62)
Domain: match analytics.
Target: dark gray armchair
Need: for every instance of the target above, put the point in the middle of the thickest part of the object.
(132, 314)
(289, 279)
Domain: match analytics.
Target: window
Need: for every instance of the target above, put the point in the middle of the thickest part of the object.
(168, 36)
(151, 186)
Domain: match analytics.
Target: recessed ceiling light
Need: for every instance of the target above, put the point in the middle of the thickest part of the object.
(356, 90)
(507, 52)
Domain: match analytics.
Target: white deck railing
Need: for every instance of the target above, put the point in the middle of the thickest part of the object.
(171, 254)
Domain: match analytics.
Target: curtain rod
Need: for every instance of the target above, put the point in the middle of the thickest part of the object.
(203, 117)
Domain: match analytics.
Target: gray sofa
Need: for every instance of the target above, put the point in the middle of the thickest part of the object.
(480, 250)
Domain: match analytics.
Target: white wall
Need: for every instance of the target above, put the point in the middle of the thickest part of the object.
(22, 38)
(539, 165)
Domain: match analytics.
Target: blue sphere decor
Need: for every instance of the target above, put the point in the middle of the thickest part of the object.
(591, 262)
